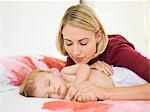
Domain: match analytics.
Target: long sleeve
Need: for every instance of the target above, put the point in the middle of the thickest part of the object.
(122, 53)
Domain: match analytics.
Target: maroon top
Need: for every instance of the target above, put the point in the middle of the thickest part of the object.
(120, 52)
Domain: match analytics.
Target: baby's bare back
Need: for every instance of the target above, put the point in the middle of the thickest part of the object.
(99, 79)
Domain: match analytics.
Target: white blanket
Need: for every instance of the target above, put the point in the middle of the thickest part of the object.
(12, 101)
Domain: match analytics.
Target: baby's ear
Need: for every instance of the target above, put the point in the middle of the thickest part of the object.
(98, 36)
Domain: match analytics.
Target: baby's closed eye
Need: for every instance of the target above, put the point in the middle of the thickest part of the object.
(49, 83)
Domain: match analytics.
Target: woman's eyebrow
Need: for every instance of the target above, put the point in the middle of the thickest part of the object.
(68, 40)
(84, 39)
(79, 40)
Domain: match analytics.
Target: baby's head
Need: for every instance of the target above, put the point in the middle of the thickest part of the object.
(45, 84)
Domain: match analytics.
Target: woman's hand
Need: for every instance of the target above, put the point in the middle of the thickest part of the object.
(85, 92)
(71, 92)
(103, 67)
(85, 97)
(80, 93)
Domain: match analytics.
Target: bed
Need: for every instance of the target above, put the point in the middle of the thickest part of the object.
(11, 101)
(14, 69)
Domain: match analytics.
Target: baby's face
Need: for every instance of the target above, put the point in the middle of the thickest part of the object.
(48, 85)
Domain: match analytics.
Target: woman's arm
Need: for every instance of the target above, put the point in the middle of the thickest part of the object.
(123, 55)
(140, 92)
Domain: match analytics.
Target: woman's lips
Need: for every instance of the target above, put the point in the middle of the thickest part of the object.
(78, 59)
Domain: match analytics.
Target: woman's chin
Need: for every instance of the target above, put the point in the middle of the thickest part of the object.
(80, 61)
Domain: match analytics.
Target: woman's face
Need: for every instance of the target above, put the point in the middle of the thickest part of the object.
(49, 86)
(80, 44)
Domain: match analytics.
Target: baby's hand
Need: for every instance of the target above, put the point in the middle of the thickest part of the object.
(71, 92)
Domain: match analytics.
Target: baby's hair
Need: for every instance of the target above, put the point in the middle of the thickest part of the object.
(27, 87)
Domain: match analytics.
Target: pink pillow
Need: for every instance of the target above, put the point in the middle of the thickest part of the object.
(17, 67)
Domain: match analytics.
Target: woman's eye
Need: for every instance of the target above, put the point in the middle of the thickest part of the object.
(69, 44)
(49, 83)
(48, 96)
(83, 43)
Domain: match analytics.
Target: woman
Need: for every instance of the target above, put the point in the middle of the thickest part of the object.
(83, 39)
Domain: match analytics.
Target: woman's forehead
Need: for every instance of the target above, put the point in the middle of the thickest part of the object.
(72, 32)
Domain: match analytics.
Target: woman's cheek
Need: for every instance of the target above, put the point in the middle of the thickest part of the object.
(68, 50)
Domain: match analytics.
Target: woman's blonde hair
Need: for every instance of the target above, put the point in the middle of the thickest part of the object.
(27, 87)
(83, 17)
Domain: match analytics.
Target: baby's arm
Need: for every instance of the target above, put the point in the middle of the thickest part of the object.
(70, 70)
(81, 71)
(96, 77)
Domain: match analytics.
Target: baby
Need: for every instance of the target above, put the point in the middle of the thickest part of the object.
(49, 84)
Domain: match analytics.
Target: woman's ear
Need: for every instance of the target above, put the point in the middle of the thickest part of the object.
(98, 36)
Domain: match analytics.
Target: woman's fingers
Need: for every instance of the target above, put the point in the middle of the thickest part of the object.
(85, 93)
(108, 67)
(67, 96)
(71, 92)
(82, 92)
(77, 95)
(93, 99)
(80, 98)
(85, 97)
(103, 67)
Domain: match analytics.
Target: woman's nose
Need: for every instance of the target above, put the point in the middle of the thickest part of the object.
(76, 51)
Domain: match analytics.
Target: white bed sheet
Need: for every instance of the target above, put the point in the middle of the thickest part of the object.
(12, 101)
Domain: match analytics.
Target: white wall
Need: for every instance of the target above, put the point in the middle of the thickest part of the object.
(30, 27)
(148, 28)
(126, 17)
